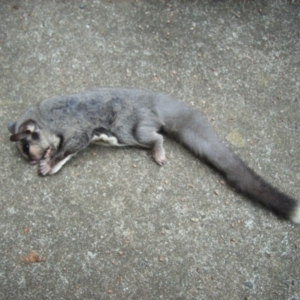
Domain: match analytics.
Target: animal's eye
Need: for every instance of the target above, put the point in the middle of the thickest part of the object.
(25, 148)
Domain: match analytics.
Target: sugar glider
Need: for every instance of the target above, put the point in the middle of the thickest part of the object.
(54, 130)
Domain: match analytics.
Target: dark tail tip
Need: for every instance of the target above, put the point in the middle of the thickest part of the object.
(257, 189)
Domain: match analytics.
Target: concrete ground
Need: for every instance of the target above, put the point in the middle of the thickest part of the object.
(114, 225)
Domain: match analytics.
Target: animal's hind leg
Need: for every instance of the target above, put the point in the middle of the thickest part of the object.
(158, 151)
(149, 137)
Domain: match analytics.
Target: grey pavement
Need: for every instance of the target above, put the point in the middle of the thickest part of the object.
(114, 225)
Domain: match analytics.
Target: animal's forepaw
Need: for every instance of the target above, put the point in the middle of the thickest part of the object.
(47, 153)
(44, 167)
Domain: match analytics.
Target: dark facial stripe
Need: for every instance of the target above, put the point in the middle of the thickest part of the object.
(35, 136)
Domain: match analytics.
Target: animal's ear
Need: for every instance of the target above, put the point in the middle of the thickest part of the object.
(19, 136)
(11, 126)
(25, 130)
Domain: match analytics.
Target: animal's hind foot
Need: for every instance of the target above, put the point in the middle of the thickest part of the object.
(159, 156)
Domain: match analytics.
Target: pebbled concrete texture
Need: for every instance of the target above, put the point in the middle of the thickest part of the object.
(114, 225)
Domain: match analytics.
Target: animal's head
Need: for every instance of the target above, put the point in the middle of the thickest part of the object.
(31, 140)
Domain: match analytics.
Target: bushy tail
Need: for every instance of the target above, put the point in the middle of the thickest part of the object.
(190, 128)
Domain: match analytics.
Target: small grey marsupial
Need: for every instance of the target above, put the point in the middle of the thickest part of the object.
(53, 131)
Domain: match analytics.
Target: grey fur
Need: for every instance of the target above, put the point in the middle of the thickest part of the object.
(59, 127)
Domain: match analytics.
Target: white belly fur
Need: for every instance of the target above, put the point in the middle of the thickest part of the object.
(105, 140)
